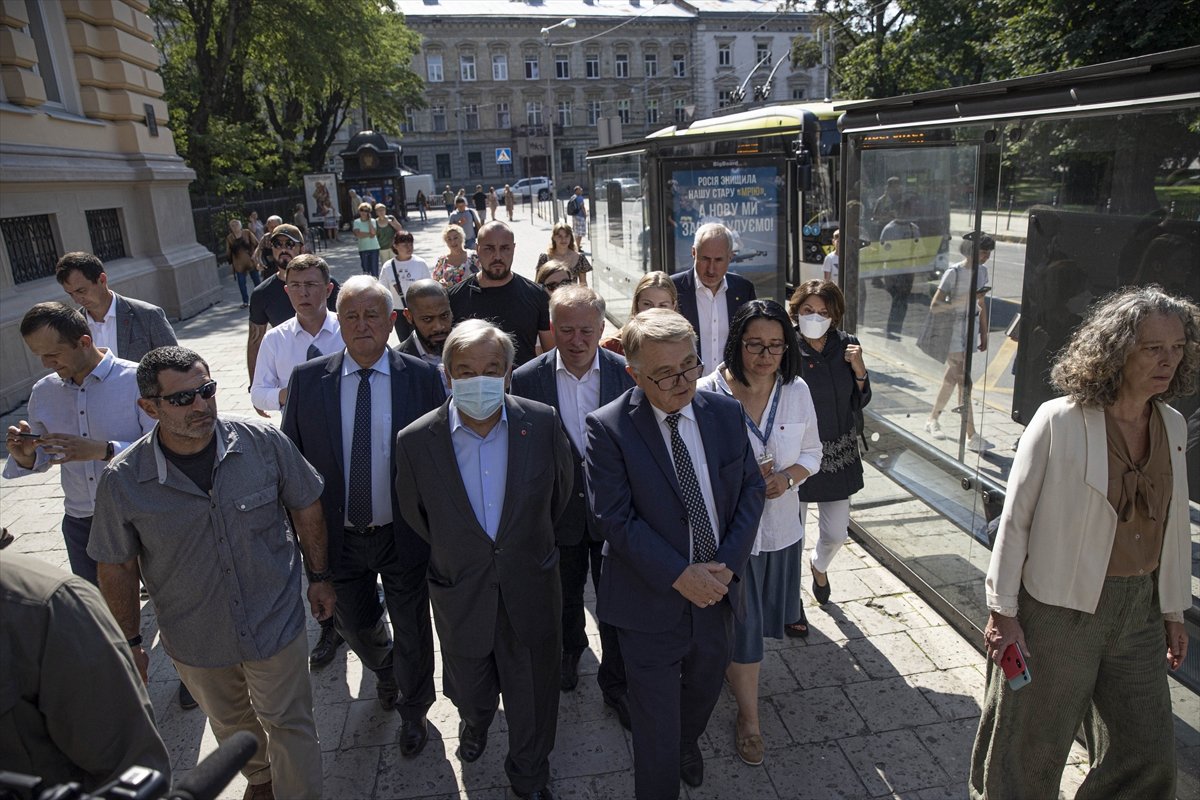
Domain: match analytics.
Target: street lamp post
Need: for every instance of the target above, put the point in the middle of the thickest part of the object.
(551, 111)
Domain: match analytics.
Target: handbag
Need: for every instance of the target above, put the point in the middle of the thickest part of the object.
(934, 339)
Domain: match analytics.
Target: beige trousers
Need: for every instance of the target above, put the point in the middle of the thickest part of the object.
(271, 699)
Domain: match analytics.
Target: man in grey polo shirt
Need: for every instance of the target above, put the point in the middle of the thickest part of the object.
(196, 509)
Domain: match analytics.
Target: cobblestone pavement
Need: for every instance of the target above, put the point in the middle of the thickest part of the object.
(881, 700)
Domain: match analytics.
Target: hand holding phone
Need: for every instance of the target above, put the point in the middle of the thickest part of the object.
(22, 443)
(1016, 667)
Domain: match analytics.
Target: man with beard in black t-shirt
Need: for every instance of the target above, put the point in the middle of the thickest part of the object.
(517, 305)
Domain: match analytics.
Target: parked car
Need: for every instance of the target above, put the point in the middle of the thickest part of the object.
(631, 188)
(540, 188)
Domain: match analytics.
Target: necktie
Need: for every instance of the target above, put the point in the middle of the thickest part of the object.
(704, 544)
(313, 352)
(358, 504)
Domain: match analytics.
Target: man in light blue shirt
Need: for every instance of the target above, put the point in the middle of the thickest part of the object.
(79, 417)
(481, 463)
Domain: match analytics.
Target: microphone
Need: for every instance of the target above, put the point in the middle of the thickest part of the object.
(214, 773)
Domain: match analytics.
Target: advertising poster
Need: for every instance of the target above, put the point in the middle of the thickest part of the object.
(745, 199)
(320, 196)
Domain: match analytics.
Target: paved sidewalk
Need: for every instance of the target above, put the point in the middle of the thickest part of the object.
(881, 700)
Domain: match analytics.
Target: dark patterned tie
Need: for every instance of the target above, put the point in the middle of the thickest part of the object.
(704, 544)
(313, 352)
(358, 504)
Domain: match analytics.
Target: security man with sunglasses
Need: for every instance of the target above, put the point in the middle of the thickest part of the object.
(197, 510)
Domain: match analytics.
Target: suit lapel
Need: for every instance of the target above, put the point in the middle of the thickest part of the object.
(647, 425)
(1096, 473)
(610, 379)
(331, 395)
(441, 454)
(124, 320)
(518, 461)
(547, 371)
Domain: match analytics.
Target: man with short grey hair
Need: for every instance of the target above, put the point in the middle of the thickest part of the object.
(196, 510)
(483, 479)
(710, 295)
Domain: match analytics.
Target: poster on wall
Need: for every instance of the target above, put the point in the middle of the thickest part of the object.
(320, 196)
(745, 198)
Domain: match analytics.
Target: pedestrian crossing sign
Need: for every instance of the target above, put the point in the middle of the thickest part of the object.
(504, 155)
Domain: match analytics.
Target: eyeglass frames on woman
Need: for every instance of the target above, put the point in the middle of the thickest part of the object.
(757, 348)
(188, 396)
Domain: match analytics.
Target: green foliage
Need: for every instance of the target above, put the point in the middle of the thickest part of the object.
(257, 89)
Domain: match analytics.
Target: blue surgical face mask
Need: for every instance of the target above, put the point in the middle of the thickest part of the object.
(478, 397)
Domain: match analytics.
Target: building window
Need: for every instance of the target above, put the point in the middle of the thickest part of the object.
(623, 111)
(724, 55)
(564, 113)
(466, 67)
(503, 117)
(679, 66)
(409, 124)
(799, 92)
(592, 63)
(499, 67)
(433, 68)
(475, 165)
(680, 111)
(45, 67)
(593, 112)
(724, 98)
(104, 227)
(622, 65)
(31, 249)
(413, 163)
(438, 114)
(566, 160)
(533, 113)
(651, 112)
(443, 166)
(562, 67)
(762, 50)
(531, 68)
(651, 64)
(471, 112)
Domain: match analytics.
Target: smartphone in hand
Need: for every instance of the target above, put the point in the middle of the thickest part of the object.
(1016, 667)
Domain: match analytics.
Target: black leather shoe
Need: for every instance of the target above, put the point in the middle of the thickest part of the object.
(570, 671)
(471, 743)
(543, 793)
(414, 733)
(326, 647)
(186, 701)
(621, 706)
(387, 691)
(691, 766)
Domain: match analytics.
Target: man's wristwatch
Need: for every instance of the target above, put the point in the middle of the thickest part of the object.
(323, 576)
(791, 480)
(135, 641)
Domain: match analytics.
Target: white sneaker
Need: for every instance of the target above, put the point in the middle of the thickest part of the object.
(934, 429)
(978, 444)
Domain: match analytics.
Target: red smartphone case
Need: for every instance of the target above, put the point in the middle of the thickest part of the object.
(1013, 661)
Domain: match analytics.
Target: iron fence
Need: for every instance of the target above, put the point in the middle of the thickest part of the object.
(211, 213)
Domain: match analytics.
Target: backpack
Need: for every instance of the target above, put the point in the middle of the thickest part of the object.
(572, 208)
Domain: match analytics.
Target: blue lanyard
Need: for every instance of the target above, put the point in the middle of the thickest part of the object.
(763, 437)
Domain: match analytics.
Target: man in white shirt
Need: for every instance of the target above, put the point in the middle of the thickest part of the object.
(399, 273)
(709, 294)
(312, 333)
(125, 327)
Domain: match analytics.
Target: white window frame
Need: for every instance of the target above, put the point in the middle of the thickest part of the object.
(435, 71)
(533, 68)
(621, 65)
(499, 67)
(592, 66)
(466, 67)
(650, 64)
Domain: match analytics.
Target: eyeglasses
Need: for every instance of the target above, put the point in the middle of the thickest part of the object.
(757, 348)
(552, 285)
(306, 286)
(283, 241)
(188, 396)
(687, 376)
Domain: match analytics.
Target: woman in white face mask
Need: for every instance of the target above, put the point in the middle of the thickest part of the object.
(832, 365)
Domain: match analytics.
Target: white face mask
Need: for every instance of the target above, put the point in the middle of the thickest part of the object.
(813, 326)
(478, 397)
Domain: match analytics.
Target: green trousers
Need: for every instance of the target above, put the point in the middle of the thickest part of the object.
(1105, 671)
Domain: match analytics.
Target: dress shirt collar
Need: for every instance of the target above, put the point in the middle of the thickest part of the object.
(455, 419)
(226, 442)
(99, 372)
(330, 324)
(701, 288)
(111, 314)
(561, 367)
(421, 351)
(350, 366)
(687, 412)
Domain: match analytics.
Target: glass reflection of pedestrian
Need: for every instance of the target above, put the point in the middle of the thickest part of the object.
(951, 298)
(1091, 569)
(898, 268)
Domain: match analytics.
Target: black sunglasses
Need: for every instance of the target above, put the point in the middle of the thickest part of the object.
(283, 241)
(188, 396)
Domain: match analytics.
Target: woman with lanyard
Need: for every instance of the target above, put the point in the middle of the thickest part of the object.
(761, 370)
(832, 365)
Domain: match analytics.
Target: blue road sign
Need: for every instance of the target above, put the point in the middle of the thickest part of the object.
(504, 155)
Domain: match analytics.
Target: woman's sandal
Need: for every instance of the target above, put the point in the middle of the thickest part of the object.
(799, 628)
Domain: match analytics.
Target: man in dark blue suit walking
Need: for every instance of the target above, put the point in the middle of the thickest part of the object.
(709, 294)
(675, 487)
(577, 377)
(343, 413)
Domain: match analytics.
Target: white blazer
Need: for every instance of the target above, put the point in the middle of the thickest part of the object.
(1057, 528)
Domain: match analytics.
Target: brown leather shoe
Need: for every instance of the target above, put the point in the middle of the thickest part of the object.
(259, 791)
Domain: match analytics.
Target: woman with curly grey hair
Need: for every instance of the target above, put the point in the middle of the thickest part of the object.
(1090, 573)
